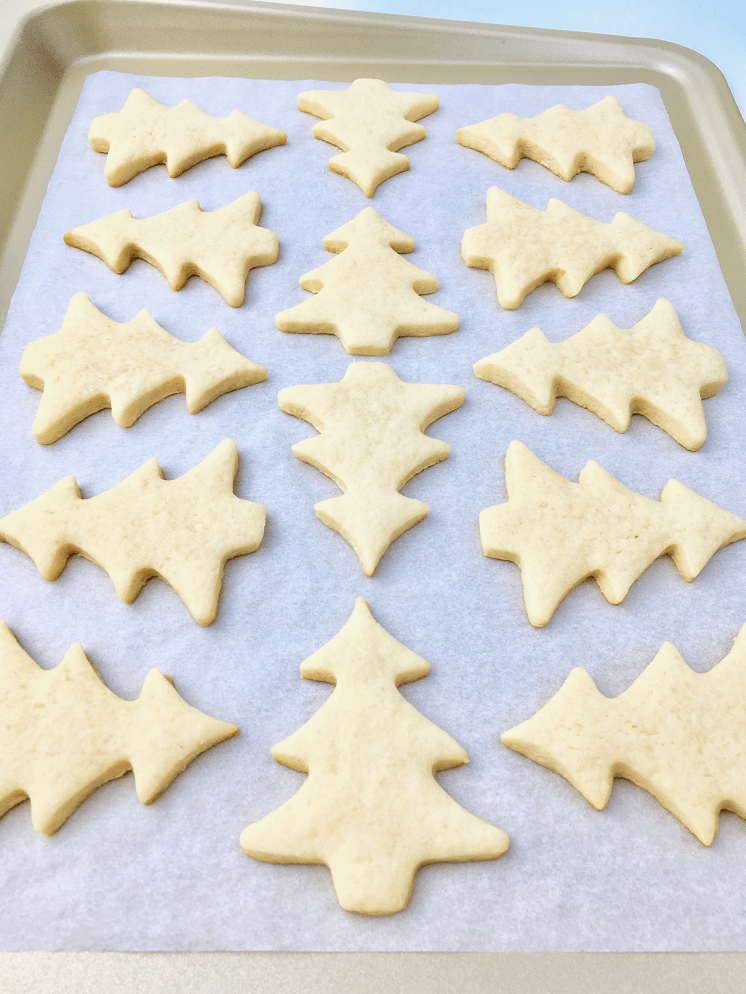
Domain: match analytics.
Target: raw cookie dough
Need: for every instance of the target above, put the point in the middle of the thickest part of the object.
(371, 443)
(144, 133)
(183, 530)
(561, 533)
(63, 733)
(651, 369)
(220, 246)
(678, 734)
(369, 122)
(600, 140)
(371, 809)
(524, 247)
(368, 295)
(93, 362)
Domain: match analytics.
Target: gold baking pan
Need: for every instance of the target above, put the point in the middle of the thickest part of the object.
(46, 51)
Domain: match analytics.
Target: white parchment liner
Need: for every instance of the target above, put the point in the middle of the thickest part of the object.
(173, 876)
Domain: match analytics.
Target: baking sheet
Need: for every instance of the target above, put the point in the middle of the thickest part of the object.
(172, 876)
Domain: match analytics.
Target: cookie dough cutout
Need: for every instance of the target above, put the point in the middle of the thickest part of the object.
(371, 809)
(524, 247)
(93, 363)
(63, 734)
(219, 246)
(371, 444)
(370, 123)
(600, 140)
(561, 533)
(651, 369)
(678, 734)
(368, 296)
(144, 133)
(183, 531)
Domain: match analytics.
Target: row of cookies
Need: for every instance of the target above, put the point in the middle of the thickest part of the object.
(370, 122)
(523, 247)
(371, 809)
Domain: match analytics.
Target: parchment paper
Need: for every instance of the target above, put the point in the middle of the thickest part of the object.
(172, 876)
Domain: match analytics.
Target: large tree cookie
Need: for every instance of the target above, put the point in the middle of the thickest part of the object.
(561, 533)
(651, 369)
(678, 734)
(368, 296)
(220, 246)
(524, 247)
(371, 809)
(371, 443)
(144, 133)
(369, 122)
(183, 531)
(63, 733)
(600, 140)
(93, 362)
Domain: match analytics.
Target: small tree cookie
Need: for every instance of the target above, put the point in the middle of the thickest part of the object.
(561, 533)
(371, 809)
(651, 369)
(371, 443)
(369, 122)
(678, 734)
(144, 133)
(220, 246)
(93, 362)
(368, 296)
(183, 531)
(600, 140)
(524, 247)
(63, 733)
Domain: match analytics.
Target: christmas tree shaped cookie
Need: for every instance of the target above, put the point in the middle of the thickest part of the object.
(220, 246)
(183, 531)
(371, 443)
(144, 133)
(561, 533)
(368, 296)
(370, 123)
(94, 362)
(63, 733)
(678, 734)
(524, 247)
(651, 369)
(600, 140)
(371, 809)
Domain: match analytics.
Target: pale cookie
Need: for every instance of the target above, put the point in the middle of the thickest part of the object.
(183, 531)
(600, 140)
(368, 296)
(651, 369)
(561, 533)
(371, 444)
(144, 133)
(93, 362)
(371, 809)
(524, 247)
(63, 733)
(369, 122)
(220, 246)
(678, 734)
